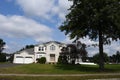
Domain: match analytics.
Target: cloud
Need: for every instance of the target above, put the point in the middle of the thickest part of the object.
(13, 46)
(45, 9)
(92, 50)
(22, 27)
(112, 48)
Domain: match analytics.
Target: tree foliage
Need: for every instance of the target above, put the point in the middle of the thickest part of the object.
(72, 52)
(115, 58)
(2, 44)
(97, 19)
(2, 57)
(11, 58)
(27, 47)
(97, 56)
(62, 59)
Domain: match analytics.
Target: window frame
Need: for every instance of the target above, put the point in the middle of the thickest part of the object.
(52, 47)
(41, 48)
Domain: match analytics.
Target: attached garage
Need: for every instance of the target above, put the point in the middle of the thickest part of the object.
(23, 60)
(28, 60)
(19, 59)
(24, 57)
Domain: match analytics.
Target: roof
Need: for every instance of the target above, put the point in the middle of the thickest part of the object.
(50, 42)
(53, 42)
(29, 51)
(41, 53)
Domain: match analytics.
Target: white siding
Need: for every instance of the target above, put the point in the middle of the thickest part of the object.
(23, 58)
(56, 52)
(27, 58)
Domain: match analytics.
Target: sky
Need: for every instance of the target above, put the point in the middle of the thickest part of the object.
(26, 22)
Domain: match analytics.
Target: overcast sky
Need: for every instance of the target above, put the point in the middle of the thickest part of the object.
(25, 22)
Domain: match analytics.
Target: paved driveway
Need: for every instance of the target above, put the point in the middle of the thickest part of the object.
(6, 65)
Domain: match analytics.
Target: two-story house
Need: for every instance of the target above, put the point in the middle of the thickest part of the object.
(50, 50)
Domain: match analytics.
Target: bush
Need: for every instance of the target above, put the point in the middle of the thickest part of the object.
(42, 60)
(2, 57)
(62, 60)
(96, 58)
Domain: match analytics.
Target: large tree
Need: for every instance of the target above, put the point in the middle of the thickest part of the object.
(97, 19)
(2, 44)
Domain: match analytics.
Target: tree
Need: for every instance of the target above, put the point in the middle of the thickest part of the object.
(11, 58)
(27, 47)
(72, 52)
(82, 50)
(62, 59)
(115, 58)
(2, 44)
(2, 57)
(96, 19)
(97, 56)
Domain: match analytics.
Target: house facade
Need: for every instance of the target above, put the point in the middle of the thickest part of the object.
(24, 57)
(50, 50)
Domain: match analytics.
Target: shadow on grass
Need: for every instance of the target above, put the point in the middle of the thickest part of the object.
(86, 68)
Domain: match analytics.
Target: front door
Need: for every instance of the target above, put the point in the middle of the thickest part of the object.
(52, 57)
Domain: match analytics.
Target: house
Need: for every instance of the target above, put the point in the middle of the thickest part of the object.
(24, 57)
(50, 50)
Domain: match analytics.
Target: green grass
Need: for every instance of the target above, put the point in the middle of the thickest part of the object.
(3, 62)
(59, 69)
(56, 78)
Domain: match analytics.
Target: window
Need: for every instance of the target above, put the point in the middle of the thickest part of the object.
(39, 56)
(41, 48)
(52, 47)
(19, 57)
(28, 57)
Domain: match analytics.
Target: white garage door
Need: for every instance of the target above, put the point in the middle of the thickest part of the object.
(28, 60)
(19, 60)
(23, 60)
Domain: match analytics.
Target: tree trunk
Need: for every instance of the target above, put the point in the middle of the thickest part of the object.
(101, 58)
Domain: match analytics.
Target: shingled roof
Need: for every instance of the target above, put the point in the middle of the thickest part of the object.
(29, 51)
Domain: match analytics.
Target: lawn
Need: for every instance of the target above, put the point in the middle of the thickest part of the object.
(59, 78)
(59, 69)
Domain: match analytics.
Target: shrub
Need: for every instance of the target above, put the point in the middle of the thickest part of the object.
(62, 60)
(2, 57)
(96, 58)
(42, 60)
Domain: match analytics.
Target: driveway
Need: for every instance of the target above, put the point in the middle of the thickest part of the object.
(6, 65)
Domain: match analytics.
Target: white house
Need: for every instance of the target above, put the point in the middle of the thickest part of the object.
(24, 57)
(50, 50)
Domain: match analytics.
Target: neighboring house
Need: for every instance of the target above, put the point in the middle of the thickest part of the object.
(50, 50)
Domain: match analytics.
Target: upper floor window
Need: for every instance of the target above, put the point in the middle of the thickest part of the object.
(52, 47)
(41, 48)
